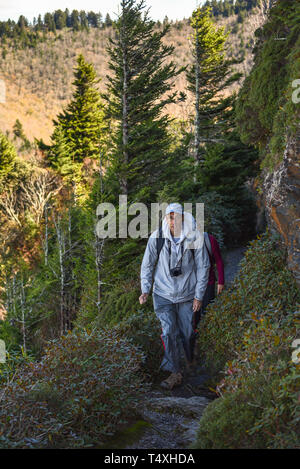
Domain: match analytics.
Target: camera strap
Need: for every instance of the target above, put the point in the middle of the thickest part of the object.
(170, 253)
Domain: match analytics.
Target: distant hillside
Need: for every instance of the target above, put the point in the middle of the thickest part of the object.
(39, 79)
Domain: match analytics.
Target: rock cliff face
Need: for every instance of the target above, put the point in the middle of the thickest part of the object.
(281, 202)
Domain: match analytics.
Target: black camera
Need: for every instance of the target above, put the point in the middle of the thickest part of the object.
(175, 272)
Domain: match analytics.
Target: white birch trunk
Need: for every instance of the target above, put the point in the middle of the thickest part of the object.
(46, 247)
(22, 300)
(61, 250)
(99, 245)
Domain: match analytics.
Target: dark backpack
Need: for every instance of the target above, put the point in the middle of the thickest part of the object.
(160, 240)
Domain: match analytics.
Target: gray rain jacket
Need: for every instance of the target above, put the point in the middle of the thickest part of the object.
(195, 268)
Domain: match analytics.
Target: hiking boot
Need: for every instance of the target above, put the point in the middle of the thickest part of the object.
(175, 379)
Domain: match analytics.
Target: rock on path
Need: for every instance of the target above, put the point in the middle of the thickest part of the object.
(173, 421)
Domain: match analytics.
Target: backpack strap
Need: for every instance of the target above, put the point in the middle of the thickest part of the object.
(207, 244)
(160, 240)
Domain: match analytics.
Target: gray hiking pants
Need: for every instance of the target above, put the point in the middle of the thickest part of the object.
(177, 327)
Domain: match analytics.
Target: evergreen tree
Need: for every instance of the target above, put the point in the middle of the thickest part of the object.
(166, 20)
(19, 133)
(226, 168)
(94, 19)
(18, 130)
(108, 21)
(22, 22)
(79, 128)
(75, 23)
(83, 20)
(209, 76)
(60, 19)
(136, 96)
(8, 166)
(59, 154)
(98, 20)
(49, 22)
(39, 25)
(68, 18)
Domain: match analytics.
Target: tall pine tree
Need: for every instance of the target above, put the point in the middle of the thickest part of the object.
(138, 90)
(79, 130)
(8, 165)
(207, 79)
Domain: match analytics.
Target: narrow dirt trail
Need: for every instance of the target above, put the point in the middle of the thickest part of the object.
(232, 258)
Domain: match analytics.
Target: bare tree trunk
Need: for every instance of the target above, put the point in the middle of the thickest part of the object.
(197, 105)
(124, 184)
(99, 245)
(61, 250)
(8, 301)
(37, 192)
(10, 206)
(197, 102)
(14, 295)
(46, 247)
(74, 184)
(22, 300)
(71, 308)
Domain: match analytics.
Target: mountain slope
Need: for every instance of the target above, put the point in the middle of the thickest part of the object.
(39, 80)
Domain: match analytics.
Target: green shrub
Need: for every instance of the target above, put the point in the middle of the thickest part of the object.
(225, 422)
(144, 330)
(280, 420)
(119, 303)
(14, 361)
(264, 287)
(263, 371)
(78, 395)
(259, 405)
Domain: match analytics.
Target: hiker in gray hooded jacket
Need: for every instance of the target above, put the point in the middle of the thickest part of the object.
(180, 270)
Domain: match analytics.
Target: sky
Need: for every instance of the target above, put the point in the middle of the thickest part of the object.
(174, 9)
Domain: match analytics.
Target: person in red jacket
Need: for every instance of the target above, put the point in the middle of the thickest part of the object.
(215, 258)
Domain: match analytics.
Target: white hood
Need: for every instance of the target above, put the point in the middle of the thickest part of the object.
(190, 233)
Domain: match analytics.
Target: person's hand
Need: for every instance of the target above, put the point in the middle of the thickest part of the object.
(143, 298)
(196, 305)
(220, 289)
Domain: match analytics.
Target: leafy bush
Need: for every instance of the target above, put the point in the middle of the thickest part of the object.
(280, 419)
(264, 364)
(264, 287)
(144, 330)
(259, 403)
(247, 333)
(224, 424)
(14, 361)
(119, 303)
(78, 395)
